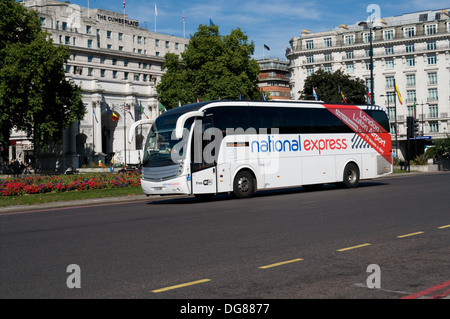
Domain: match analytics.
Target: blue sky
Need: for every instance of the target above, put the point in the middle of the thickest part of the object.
(270, 22)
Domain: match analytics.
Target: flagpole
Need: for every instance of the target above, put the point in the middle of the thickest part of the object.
(184, 26)
(124, 137)
(156, 13)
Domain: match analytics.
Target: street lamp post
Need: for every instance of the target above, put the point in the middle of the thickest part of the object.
(366, 26)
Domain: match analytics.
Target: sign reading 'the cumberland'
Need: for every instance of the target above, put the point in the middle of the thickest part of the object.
(113, 19)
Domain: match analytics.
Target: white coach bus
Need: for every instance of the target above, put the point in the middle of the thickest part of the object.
(241, 147)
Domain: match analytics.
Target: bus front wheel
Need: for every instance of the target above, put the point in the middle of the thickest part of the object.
(351, 175)
(244, 185)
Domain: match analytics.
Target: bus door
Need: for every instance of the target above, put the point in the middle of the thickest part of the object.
(203, 163)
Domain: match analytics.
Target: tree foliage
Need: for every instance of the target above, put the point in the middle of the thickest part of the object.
(34, 95)
(328, 87)
(212, 67)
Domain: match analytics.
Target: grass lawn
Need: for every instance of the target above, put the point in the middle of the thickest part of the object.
(33, 199)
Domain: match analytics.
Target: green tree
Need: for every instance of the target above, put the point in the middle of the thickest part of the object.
(34, 95)
(328, 88)
(212, 67)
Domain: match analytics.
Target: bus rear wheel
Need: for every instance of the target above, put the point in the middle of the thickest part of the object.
(351, 175)
(244, 185)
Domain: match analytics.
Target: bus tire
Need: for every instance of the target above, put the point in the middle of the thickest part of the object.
(351, 175)
(243, 185)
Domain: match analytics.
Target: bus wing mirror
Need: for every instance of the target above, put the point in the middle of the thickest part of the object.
(182, 120)
(135, 124)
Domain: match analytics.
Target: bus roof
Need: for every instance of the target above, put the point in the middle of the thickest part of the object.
(288, 103)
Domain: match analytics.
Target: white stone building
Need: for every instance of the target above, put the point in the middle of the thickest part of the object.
(411, 49)
(117, 63)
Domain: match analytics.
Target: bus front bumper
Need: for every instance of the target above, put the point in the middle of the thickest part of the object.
(176, 186)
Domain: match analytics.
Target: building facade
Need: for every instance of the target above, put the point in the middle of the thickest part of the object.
(410, 51)
(274, 78)
(118, 64)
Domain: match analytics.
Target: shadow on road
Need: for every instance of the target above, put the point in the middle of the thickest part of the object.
(273, 192)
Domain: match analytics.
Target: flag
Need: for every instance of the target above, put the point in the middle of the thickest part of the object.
(124, 4)
(343, 97)
(266, 47)
(398, 93)
(184, 17)
(156, 10)
(162, 108)
(314, 93)
(415, 114)
(114, 117)
(263, 97)
(95, 115)
(368, 95)
(143, 112)
(179, 103)
(127, 109)
(211, 23)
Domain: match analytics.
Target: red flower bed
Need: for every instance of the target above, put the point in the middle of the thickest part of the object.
(63, 183)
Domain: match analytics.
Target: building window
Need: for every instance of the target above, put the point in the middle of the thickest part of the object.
(156, 43)
(432, 60)
(310, 44)
(409, 47)
(367, 53)
(139, 39)
(410, 61)
(42, 22)
(120, 48)
(109, 46)
(411, 80)
(67, 41)
(409, 32)
(114, 61)
(102, 60)
(432, 78)
(390, 82)
(367, 65)
(328, 57)
(74, 41)
(167, 44)
(88, 29)
(309, 71)
(108, 34)
(328, 68)
(327, 42)
(114, 74)
(350, 68)
(431, 45)
(176, 46)
(432, 94)
(349, 55)
(411, 95)
(430, 29)
(389, 50)
(434, 126)
(125, 75)
(125, 63)
(410, 110)
(349, 39)
(120, 36)
(89, 44)
(90, 70)
(388, 35)
(102, 73)
(310, 59)
(89, 58)
(389, 63)
(433, 111)
(64, 26)
(366, 37)
(391, 114)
